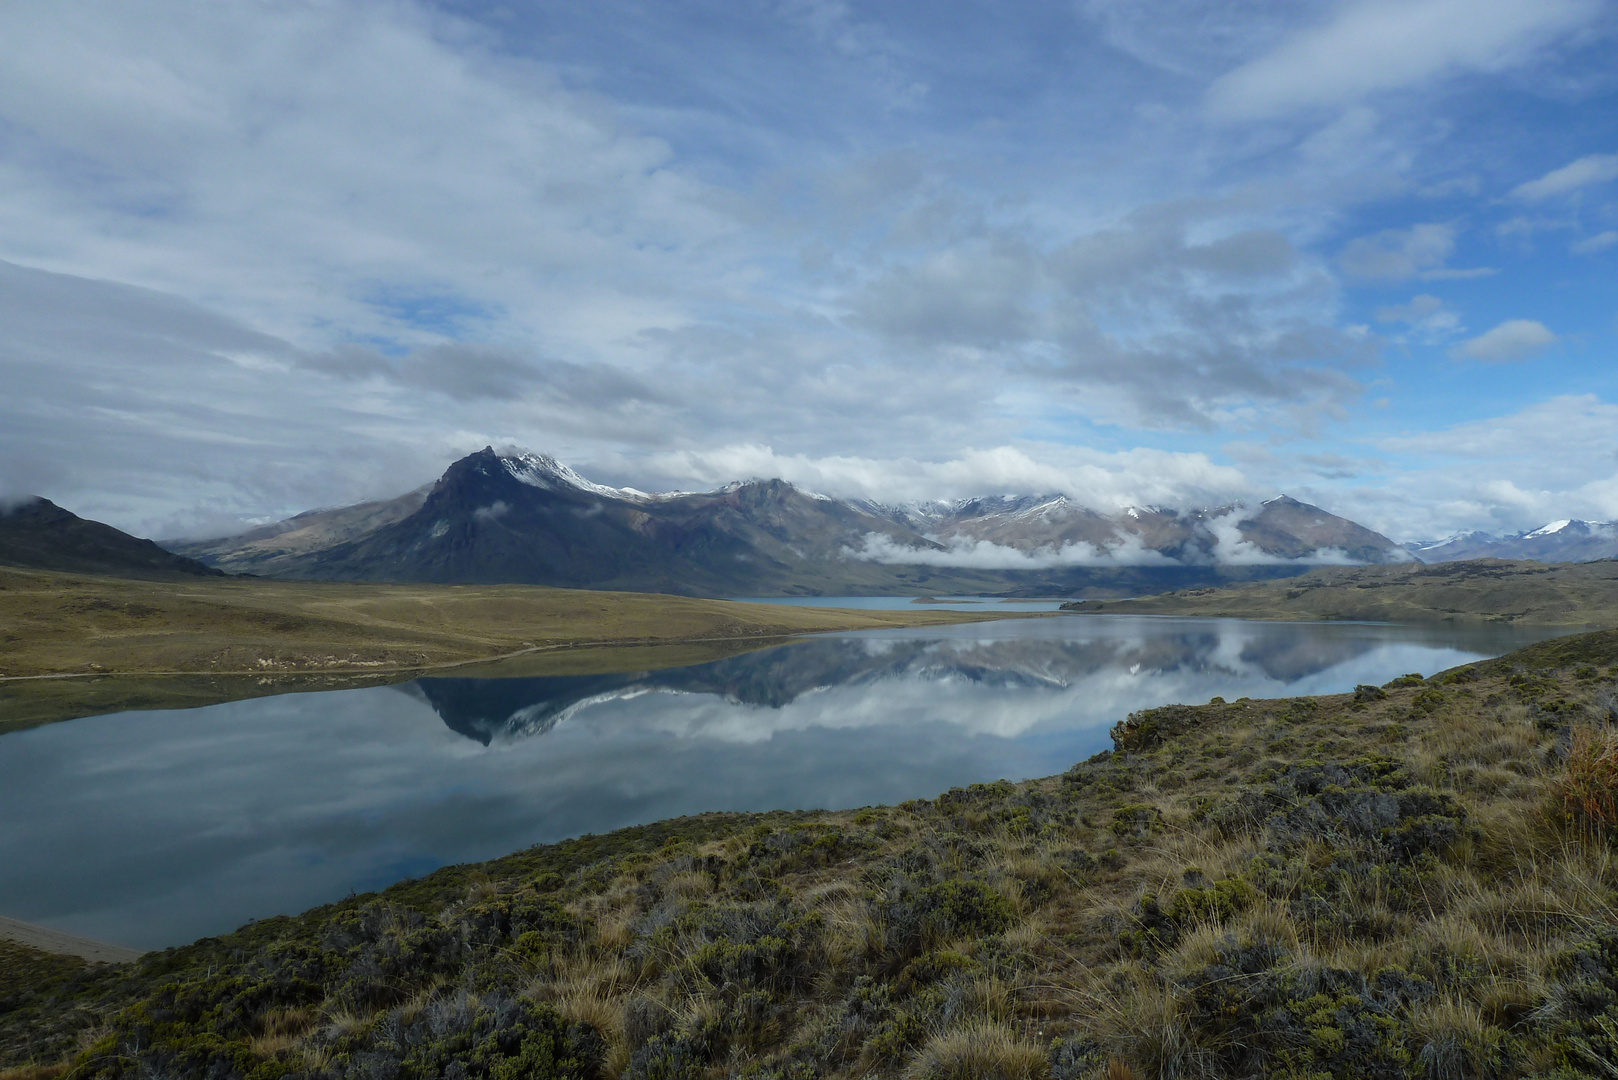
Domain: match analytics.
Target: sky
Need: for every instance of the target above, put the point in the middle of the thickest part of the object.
(261, 257)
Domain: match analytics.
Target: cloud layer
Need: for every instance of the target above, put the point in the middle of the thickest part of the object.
(254, 260)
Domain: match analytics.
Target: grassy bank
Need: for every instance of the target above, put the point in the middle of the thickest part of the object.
(1479, 591)
(1411, 880)
(52, 624)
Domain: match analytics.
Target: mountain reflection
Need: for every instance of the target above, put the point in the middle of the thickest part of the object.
(1213, 654)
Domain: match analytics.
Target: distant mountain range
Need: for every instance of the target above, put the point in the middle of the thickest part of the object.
(38, 534)
(527, 518)
(1560, 541)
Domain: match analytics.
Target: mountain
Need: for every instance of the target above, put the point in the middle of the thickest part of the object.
(40, 535)
(527, 518)
(1282, 528)
(1559, 541)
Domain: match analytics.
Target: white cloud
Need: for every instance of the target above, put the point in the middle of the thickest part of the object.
(333, 172)
(987, 555)
(1587, 170)
(1229, 549)
(1140, 477)
(1515, 339)
(1375, 46)
(1599, 242)
(1554, 459)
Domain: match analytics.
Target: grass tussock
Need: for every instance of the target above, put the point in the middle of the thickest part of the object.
(1366, 885)
(1587, 792)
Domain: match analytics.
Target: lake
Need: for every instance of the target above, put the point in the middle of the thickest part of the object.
(154, 828)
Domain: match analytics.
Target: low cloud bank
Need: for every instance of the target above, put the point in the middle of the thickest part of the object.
(1140, 477)
(987, 555)
(1228, 548)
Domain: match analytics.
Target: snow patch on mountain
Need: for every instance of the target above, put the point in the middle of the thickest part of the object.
(546, 473)
(1551, 529)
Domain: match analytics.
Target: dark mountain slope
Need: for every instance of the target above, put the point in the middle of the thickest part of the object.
(494, 519)
(40, 535)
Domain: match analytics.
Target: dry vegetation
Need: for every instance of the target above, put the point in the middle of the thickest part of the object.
(1478, 591)
(54, 623)
(1412, 880)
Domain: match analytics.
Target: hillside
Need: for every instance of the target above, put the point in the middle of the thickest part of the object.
(39, 534)
(1485, 590)
(1410, 880)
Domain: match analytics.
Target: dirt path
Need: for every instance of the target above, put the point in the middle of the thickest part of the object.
(55, 941)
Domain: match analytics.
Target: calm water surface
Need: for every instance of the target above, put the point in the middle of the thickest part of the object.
(154, 828)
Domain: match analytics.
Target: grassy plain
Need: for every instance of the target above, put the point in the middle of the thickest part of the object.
(1411, 880)
(75, 645)
(1479, 591)
(55, 624)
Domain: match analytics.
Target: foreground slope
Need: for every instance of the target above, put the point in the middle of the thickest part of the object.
(1415, 880)
(1482, 591)
(37, 533)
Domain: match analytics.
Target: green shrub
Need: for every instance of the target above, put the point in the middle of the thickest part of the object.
(1136, 819)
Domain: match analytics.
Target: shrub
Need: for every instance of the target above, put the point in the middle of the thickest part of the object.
(961, 907)
(1137, 819)
(1428, 700)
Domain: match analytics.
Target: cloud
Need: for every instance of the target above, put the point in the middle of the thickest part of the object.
(470, 372)
(1175, 317)
(1425, 314)
(1229, 549)
(1599, 242)
(1378, 46)
(1552, 459)
(1140, 477)
(308, 253)
(1515, 339)
(164, 418)
(1397, 254)
(986, 555)
(1587, 170)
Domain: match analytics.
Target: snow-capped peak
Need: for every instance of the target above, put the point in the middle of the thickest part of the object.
(1552, 528)
(545, 472)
